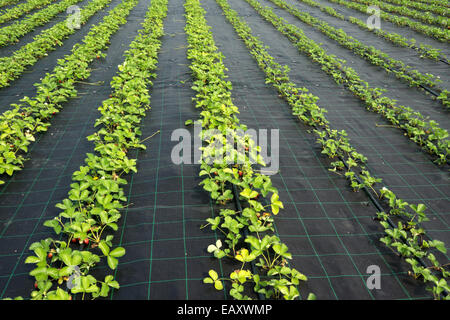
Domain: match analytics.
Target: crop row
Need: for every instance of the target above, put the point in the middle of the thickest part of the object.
(426, 17)
(12, 33)
(251, 227)
(437, 8)
(11, 67)
(92, 209)
(426, 133)
(435, 32)
(23, 8)
(425, 50)
(369, 53)
(407, 236)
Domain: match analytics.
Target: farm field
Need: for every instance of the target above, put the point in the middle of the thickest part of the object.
(105, 194)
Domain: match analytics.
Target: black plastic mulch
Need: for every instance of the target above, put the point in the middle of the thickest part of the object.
(328, 228)
(29, 197)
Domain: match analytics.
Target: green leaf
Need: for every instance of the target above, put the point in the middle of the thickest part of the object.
(213, 275)
(114, 284)
(117, 252)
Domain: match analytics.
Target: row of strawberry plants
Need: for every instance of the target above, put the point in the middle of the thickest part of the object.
(11, 67)
(426, 17)
(337, 147)
(23, 8)
(12, 33)
(427, 7)
(425, 50)
(426, 133)
(90, 213)
(251, 227)
(435, 32)
(19, 125)
(369, 53)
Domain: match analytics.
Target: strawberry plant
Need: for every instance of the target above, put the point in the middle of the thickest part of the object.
(408, 239)
(434, 7)
(444, 96)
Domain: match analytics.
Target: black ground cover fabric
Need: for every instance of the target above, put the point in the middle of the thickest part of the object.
(402, 165)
